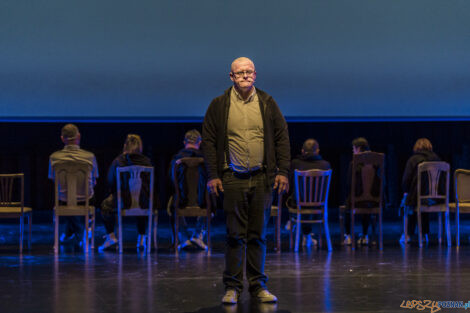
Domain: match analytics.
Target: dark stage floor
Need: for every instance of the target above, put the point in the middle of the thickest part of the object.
(365, 280)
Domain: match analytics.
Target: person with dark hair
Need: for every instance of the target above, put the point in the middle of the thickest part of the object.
(246, 145)
(308, 159)
(422, 152)
(70, 136)
(192, 142)
(359, 145)
(131, 155)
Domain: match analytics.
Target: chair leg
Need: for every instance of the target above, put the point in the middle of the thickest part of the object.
(381, 242)
(353, 240)
(457, 226)
(149, 233)
(420, 229)
(85, 232)
(297, 233)
(405, 225)
(320, 237)
(30, 226)
(155, 221)
(93, 225)
(327, 233)
(120, 232)
(21, 232)
(56, 233)
(208, 227)
(291, 241)
(449, 239)
(440, 227)
(341, 225)
(176, 230)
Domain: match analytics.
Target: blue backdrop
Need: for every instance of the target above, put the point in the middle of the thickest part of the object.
(157, 60)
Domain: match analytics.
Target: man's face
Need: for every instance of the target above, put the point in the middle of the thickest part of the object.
(356, 150)
(243, 74)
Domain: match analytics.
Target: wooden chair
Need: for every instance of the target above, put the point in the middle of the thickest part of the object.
(73, 178)
(432, 172)
(15, 209)
(190, 208)
(311, 190)
(462, 198)
(369, 200)
(134, 179)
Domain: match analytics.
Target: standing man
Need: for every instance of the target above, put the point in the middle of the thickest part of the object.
(246, 145)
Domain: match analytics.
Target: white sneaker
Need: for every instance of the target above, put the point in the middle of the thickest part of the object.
(309, 240)
(403, 240)
(141, 241)
(363, 240)
(347, 240)
(185, 244)
(199, 242)
(110, 241)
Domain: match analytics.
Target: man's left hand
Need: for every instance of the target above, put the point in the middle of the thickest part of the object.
(281, 183)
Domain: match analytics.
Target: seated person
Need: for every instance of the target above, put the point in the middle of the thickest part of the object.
(308, 159)
(359, 145)
(131, 155)
(192, 142)
(422, 152)
(70, 136)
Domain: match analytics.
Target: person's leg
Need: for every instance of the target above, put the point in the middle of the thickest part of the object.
(142, 222)
(235, 208)
(412, 221)
(347, 222)
(259, 211)
(73, 226)
(108, 214)
(307, 227)
(365, 224)
(425, 220)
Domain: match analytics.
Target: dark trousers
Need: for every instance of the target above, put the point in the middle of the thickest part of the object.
(108, 213)
(247, 206)
(74, 223)
(365, 219)
(413, 221)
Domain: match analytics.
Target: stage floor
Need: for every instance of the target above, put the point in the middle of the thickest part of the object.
(364, 280)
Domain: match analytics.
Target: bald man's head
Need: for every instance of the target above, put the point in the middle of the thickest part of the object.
(241, 60)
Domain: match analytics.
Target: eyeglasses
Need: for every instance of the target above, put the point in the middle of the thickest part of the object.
(243, 73)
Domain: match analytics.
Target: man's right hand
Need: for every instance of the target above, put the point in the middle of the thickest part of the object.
(214, 186)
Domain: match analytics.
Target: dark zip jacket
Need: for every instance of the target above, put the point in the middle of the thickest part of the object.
(276, 136)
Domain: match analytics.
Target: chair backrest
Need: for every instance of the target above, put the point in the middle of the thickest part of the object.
(312, 188)
(368, 171)
(192, 189)
(72, 182)
(134, 175)
(433, 173)
(8, 190)
(462, 185)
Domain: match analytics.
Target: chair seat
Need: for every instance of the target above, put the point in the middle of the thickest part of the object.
(14, 210)
(434, 208)
(135, 212)
(78, 210)
(192, 211)
(463, 207)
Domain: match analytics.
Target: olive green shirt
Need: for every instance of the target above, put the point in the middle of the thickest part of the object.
(245, 133)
